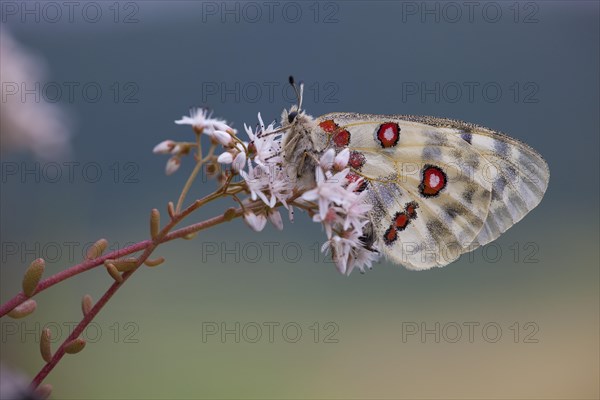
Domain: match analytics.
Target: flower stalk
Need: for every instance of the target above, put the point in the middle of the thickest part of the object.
(333, 202)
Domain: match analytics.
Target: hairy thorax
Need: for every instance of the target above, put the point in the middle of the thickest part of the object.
(303, 144)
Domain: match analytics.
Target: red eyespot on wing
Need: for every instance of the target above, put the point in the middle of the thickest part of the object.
(390, 235)
(411, 209)
(352, 177)
(357, 160)
(388, 134)
(328, 126)
(433, 180)
(401, 220)
(341, 138)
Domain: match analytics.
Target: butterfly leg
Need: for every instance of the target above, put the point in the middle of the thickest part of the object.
(303, 160)
(301, 164)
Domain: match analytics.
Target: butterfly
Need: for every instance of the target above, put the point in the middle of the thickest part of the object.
(438, 187)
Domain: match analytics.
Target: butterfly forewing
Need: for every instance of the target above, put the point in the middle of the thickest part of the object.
(519, 177)
(438, 187)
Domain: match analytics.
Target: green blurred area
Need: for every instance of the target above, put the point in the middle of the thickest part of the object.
(161, 336)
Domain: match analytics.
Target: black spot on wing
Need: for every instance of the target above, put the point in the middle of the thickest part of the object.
(432, 153)
(467, 137)
(453, 210)
(498, 187)
(468, 194)
(438, 231)
(501, 148)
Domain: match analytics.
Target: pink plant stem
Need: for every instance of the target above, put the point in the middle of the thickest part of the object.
(89, 264)
(149, 246)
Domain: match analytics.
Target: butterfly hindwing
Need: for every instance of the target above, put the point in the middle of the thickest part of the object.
(438, 187)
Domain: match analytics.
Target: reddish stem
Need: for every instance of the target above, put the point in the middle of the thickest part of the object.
(89, 264)
(149, 247)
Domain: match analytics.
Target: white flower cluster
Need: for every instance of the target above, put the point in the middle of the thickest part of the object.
(342, 211)
(201, 120)
(265, 175)
(334, 202)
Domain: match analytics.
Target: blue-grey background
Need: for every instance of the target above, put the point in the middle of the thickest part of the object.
(539, 282)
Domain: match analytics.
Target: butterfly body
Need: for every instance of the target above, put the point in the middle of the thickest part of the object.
(438, 187)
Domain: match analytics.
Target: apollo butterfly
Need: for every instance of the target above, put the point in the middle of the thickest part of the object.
(438, 187)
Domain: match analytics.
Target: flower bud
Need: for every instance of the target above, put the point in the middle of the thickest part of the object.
(164, 147)
(225, 158)
(222, 137)
(172, 165)
(275, 218)
(256, 222)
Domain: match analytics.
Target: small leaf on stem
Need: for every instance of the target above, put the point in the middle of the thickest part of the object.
(75, 346)
(190, 236)
(45, 347)
(126, 264)
(154, 223)
(32, 277)
(113, 272)
(155, 262)
(229, 214)
(23, 309)
(86, 304)
(97, 249)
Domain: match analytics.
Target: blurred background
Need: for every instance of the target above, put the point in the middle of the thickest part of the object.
(89, 88)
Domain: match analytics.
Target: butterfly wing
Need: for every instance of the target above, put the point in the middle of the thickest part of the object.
(439, 187)
(519, 177)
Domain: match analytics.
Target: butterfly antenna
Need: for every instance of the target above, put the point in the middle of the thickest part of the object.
(301, 96)
(297, 90)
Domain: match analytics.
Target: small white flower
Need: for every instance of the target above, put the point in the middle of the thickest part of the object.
(256, 222)
(197, 118)
(331, 218)
(239, 162)
(225, 158)
(326, 160)
(164, 147)
(340, 252)
(341, 160)
(266, 145)
(172, 165)
(202, 122)
(361, 258)
(257, 180)
(275, 218)
(222, 137)
(355, 211)
(327, 190)
(219, 125)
